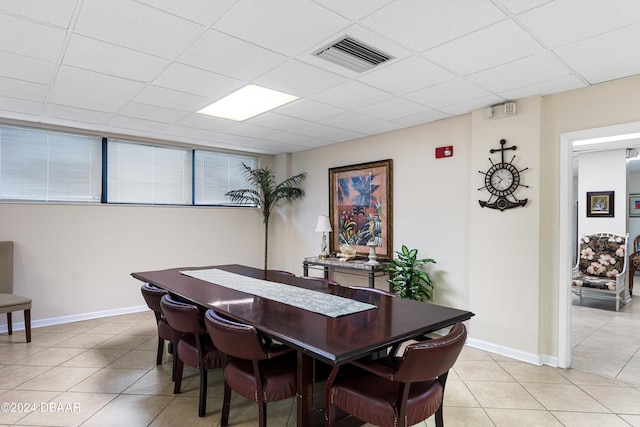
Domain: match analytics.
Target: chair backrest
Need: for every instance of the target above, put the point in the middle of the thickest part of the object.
(152, 296)
(426, 360)
(6, 267)
(372, 290)
(636, 244)
(235, 339)
(181, 316)
(602, 254)
(322, 280)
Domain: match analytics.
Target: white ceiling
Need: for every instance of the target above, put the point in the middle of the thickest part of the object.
(142, 68)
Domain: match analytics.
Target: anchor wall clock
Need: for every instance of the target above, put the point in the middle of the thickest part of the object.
(502, 180)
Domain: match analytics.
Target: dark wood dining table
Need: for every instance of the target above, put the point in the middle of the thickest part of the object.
(318, 339)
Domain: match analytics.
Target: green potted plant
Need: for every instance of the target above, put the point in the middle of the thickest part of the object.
(407, 279)
(266, 194)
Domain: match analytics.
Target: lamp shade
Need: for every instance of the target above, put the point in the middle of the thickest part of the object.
(324, 224)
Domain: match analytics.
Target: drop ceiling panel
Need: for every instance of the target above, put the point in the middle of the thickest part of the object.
(524, 72)
(169, 98)
(286, 78)
(21, 89)
(286, 26)
(84, 115)
(447, 93)
(407, 75)
(152, 112)
(352, 95)
(26, 68)
(30, 39)
(136, 26)
(230, 56)
(519, 6)
(204, 12)
(95, 55)
(309, 109)
(354, 9)
(486, 48)
(133, 123)
(423, 24)
(393, 108)
(85, 89)
(557, 23)
(605, 57)
(57, 12)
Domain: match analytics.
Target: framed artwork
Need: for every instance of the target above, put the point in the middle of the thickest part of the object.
(634, 204)
(600, 204)
(360, 207)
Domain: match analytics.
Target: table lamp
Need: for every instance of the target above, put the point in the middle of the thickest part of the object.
(324, 225)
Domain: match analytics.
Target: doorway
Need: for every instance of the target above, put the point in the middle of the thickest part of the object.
(617, 136)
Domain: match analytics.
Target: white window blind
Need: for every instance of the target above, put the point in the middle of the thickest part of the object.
(37, 165)
(216, 174)
(148, 174)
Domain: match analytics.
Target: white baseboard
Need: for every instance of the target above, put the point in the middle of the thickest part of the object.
(75, 318)
(511, 353)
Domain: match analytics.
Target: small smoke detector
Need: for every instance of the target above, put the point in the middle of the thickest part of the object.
(353, 54)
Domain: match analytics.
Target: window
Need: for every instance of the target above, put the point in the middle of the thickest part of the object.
(217, 173)
(49, 166)
(149, 174)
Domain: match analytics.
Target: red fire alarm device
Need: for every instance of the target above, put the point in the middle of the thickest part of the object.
(444, 151)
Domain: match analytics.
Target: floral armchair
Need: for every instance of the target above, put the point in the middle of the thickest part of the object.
(601, 266)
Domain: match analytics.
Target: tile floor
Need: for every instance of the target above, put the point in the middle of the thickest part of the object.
(102, 373)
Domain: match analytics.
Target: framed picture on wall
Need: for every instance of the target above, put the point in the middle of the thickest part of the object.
(360, 207)
(634, 204)
(600, 204)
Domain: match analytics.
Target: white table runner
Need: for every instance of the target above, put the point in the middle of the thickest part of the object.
(317, 302)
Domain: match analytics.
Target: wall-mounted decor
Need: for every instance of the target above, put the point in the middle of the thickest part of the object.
(501, 180)
(600, 204)
(634, 204)
(360, 207)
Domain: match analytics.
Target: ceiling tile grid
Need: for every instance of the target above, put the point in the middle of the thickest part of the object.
(144, 67)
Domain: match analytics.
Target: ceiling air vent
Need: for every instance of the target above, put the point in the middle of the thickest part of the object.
(353, 54)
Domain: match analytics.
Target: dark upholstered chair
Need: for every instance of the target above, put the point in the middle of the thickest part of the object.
(256, 369)
(152, 295)
(322, 280)
(194, 346)
(374, 290)
(397, 391)
(10, 302)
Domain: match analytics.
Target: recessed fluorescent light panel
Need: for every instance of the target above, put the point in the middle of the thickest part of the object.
(247, 102)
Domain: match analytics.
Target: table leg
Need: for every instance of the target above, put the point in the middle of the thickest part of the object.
(309, 413)
(326, 272)
(372, 279)
(305, 269)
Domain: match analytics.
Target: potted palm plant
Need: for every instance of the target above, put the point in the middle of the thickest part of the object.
(407, 280)
(266, 194)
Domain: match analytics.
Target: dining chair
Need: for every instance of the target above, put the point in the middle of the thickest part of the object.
(152, 296)
(396, 391)
(372, 290)
(194, 346)
(634, 262)
(256, 369)
(322, 280)
(10, 302)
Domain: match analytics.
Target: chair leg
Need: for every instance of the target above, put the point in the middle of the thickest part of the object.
(262, 414)
(9, 323)
(27, 324)
(226, 405)
(178, 380)
(160, 351)
(202, 405)
(174, 368)
(439, 417)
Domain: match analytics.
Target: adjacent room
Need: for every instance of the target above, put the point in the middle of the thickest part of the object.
(483, 138)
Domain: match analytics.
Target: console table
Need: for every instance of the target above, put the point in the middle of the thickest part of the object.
(351, 267)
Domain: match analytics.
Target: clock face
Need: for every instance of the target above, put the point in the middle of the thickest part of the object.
(502, 179)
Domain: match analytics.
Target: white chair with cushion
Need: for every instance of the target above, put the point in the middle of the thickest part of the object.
(9, 302)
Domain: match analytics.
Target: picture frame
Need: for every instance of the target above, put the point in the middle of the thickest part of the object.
(600, 204)
(634, 205)
(361, 207)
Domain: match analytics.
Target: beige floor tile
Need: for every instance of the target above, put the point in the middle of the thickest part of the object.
(12, 353)
(466, 417)
(109, 380)
(522, 418)
(51, 356)
(564, 397)
(19, 404)
(581, 377)
(95, 358)
(12, 376)
(84, 340)
(525, 372)
(506, 395)
(624, 400)
(130, 411)
(458, 394)
(578, 419)
(632, 420)
(631, 371)
(481, 371)
(183, 411)
(58, 378)
(69, 409)
(154, 382)
(123, 342)
(598, 360)
(142, 359)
